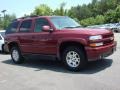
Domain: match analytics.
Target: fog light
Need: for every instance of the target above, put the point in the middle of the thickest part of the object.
(96, 44)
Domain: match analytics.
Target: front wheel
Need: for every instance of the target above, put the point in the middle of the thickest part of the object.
(74, 58)
(16, 55)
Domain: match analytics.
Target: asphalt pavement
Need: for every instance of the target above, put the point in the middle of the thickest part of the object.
(37, 74)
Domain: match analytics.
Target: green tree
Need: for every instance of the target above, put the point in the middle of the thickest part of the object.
(61, 11)
(96, 12)
(8, 19)
(93, 9)
(110, 16)
(5, 21)
(118, 13)
(42, 10)
(113, 16)
(100, 19)
(93, 21)
(80, 12)
(72, 12)
(88, 21)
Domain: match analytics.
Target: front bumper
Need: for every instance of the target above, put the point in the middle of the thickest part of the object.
(94, 54)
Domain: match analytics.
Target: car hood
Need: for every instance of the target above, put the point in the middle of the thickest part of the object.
(87, 31)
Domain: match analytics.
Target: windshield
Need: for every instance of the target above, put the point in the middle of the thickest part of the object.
(64, 22)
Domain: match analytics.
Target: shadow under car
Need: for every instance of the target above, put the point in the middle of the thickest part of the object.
(57, 66)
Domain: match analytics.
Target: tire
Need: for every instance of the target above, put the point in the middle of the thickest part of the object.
(16, 55)
(3, 49)
(116, 31)
(74, 58)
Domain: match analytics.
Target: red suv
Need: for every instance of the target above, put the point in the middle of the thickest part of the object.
(59, 37)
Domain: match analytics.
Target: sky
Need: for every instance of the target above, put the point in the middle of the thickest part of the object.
(21, 7)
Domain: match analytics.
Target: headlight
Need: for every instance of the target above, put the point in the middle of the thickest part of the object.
(97, 37)
(94, 38)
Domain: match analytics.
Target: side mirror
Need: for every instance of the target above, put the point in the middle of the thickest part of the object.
(47, 29)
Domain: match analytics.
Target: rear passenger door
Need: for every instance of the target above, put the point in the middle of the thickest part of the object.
(25, 38)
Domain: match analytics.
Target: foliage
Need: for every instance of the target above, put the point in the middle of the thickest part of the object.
(99, 19)
(96, 12)
(113, 15)
(80, 12)
(4, 21)
(42, 10)
(61, 11)
(110, 16)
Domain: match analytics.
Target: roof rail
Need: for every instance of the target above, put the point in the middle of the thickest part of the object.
(24, 17)
(14, 20)
(28, 16)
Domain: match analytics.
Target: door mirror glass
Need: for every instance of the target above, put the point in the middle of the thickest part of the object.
(47, 28)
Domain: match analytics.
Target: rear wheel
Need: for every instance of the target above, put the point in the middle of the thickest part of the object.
(74, 58)
(16, 55)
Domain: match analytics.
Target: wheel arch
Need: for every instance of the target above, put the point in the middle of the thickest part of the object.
(11, 44)
(66, 44)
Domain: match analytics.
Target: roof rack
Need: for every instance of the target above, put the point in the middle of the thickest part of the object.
(14, 20)
(25, 17)
(28, 16)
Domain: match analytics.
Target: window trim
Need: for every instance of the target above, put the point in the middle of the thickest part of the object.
(35, 23)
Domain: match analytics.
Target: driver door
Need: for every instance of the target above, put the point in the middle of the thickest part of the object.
(43, 42)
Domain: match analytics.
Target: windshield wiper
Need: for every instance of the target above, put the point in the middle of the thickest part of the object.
(73, 27)
(77, 26)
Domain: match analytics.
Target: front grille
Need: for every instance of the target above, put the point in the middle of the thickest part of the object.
(108, 42)
(108, 35)
(108, 39)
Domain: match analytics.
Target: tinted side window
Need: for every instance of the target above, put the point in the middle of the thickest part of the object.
(39, 23)
(25, 26)
(12, 28)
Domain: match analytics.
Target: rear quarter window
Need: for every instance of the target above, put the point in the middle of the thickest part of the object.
(12, 28)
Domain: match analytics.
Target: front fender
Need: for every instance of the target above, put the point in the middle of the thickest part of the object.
(63, 40)
(78, 40)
